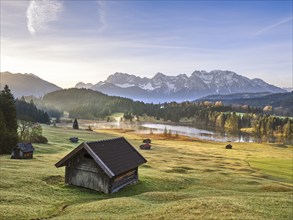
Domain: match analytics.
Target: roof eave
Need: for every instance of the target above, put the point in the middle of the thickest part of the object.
(68, 156)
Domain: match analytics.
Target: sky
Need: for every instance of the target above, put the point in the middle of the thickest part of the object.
(70, 41)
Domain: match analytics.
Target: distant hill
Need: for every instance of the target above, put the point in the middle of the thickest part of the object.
(233, 96)
(86, 103)
(89, 104)
(282, 103)
(162, 88)
(27, 84)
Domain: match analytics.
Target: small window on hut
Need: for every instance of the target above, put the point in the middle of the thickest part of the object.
(88, 156)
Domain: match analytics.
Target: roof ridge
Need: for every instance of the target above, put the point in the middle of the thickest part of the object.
(108, 154)
(110, 139)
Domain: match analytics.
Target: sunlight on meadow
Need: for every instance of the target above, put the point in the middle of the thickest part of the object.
(183, 179)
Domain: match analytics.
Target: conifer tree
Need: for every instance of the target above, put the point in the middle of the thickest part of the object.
(2, 127)
(75, 124)
(8, 109)
(8, 122)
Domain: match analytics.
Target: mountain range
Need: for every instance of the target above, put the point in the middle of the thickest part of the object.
(162, 88)
(159, 88)
(27, 84)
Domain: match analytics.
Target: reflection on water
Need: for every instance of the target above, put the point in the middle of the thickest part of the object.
(206, 134)
(181, 130)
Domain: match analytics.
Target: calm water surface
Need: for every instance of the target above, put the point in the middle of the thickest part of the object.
(191, 131)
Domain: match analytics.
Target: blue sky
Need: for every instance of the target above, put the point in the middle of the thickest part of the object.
(65, 42)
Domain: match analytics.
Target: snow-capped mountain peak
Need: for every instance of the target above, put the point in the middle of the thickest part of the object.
(161, 87)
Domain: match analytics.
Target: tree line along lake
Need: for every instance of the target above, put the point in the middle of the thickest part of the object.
(193, 131)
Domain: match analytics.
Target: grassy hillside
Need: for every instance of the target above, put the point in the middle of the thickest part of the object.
(183, 179)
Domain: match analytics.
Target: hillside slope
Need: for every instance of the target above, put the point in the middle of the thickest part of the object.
(86, 103)
(27, 84)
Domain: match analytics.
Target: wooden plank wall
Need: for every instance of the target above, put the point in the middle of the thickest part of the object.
(83, 171)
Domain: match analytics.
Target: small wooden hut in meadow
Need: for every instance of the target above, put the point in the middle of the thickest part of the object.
(22, 151)
(105, 165)
(73, 139)
(147, 141)
(146, 145)
(229, 146)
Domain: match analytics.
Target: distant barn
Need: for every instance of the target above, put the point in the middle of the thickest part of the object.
(22, 151)
(229, 146)
(73, 139)
(106, 165)
(147, 141)
(145, 146)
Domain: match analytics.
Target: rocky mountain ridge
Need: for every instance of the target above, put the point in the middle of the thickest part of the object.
(161, 88)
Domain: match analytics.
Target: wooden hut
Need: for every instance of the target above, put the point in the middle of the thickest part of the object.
(73, 139)
(229, 146)
(145, 146)
(22, 151)
(147, 141)
(106, 165)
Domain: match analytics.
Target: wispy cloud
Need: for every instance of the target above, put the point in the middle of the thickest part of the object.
(273, 26)
(102, 15)
(41, 12)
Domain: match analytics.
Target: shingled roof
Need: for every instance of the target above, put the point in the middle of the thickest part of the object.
(114, 156)
(25, 147)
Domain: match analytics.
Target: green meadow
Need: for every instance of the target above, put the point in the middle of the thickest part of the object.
(183, 179)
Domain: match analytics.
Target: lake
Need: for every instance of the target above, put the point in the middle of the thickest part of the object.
(190, 131)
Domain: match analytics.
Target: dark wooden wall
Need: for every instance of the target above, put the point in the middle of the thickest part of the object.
(83, 171)
(126, 178)
(27, 155)
(18, 154)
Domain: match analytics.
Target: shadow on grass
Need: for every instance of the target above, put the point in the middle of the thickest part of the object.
(280, 145)
(146, 184)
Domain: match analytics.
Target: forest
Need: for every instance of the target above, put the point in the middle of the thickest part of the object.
(281, 103)
(88, 104)
(8, 122)
(19, 121)
(29, 112)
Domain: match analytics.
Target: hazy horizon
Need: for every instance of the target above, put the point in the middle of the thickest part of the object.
(66, 42)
